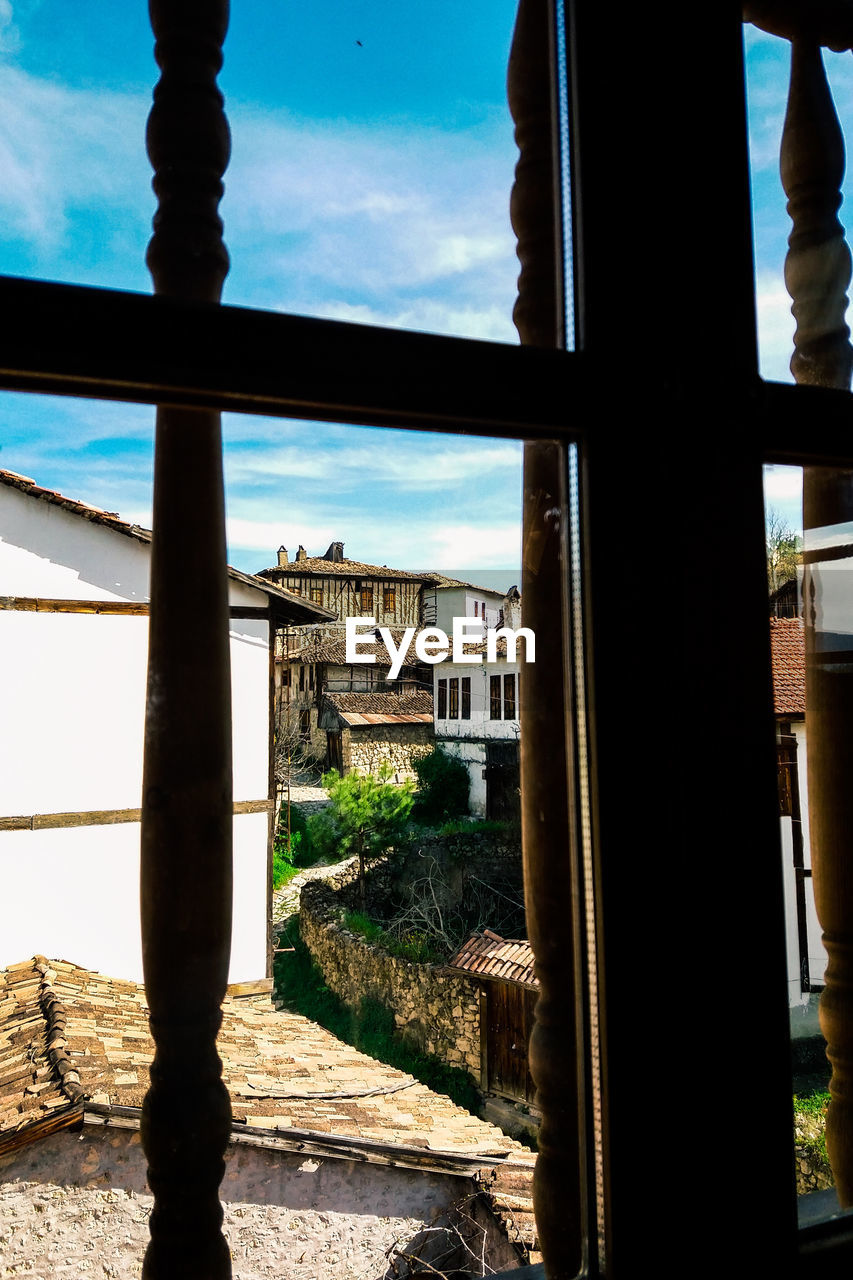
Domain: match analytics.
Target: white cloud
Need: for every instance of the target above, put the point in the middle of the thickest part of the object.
(781, 483)
(387, 459)
(775, 326)
(63, 148)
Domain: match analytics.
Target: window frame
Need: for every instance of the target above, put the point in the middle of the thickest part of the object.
(119, 346)
(495, 698)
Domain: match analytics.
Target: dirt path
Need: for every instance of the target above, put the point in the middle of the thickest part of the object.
(285, 901)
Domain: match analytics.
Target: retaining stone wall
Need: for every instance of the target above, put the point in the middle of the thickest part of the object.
(437, 1012)
(365, 749)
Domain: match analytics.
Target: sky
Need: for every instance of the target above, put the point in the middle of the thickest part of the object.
(372, 157)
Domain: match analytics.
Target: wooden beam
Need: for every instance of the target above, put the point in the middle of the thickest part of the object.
(130, 608)
(72, 340)
(104, 817)
(331, 1145)
(40, 604)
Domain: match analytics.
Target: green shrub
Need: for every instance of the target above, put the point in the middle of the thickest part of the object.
(291, 853)
(414, 945)
(283, 859)
(325, 835)
(358, 923)
(443, 786)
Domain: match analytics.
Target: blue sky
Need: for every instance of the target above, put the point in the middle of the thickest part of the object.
(371, 164)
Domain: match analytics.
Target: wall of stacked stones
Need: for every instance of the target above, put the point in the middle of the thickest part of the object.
(436, 1011)
(366, 748)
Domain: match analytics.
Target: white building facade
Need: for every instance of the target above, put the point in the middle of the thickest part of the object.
(74, 645)
(476, 720)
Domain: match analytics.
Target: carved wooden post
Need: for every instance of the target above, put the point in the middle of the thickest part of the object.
(547, 820)
(817, 274)
(187, 798)
(817, 268)
(828, 499)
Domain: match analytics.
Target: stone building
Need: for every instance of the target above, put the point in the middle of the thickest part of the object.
(311, 662)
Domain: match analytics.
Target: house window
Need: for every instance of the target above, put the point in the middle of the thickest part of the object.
(365, 596)
(454, 699)
(509, 697)
(495, 702)
(466, 697)
(301, 679)
(317, 595)
(305, 725)
(441, 705)
(389, 598)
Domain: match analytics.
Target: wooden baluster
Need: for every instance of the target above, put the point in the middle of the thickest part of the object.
(547, 819)
(187, 798)
(817, 275)
(817, 267)
(828, 500)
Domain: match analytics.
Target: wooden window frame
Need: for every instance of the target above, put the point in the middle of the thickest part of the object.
(389, 599)
(441, 700)
(465, 698)
(453, 698)
(510, 701)
(642, 961)
(495, 698)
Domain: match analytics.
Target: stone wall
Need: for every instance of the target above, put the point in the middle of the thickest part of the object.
(77, 1205)
(365, 748)
(436, 1011)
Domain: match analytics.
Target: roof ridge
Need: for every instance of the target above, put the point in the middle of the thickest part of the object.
(56, 1019)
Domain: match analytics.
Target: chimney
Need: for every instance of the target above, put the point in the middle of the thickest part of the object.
(335, 552)
(282, 556)
(301, 554)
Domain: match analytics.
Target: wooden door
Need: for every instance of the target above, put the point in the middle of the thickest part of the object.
(509, 1019)
(502, 780)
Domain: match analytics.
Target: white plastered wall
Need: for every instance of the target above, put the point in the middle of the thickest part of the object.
(71, 735)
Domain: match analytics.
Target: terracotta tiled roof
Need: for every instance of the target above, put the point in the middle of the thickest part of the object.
(313, 566)
(488, 955)
(441, 580)
(281, 1070)
(356, 709)
(332, 650)
(300, 609)
(788, 656)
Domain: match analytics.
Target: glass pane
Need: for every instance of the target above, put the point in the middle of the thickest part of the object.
(422, 530)
(768, 65)
(372, 157)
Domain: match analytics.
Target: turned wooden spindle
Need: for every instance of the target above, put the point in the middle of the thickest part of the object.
(546, 806)
(186, 886)
(828, 500)
(817, 275)
(817, 267)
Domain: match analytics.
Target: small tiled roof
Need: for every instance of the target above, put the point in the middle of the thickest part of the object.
(290, 606)
(437, 579)
(788, 657)
(358, 709)
(488, 955)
